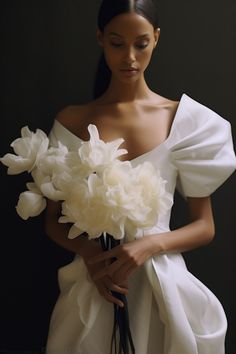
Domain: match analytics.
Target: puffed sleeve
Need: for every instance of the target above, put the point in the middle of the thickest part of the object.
(201, 149)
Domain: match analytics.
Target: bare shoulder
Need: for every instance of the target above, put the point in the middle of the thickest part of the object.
(72, 117)
(165, 102)
(167, 107)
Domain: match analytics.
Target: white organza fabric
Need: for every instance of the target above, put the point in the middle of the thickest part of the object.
(171, 311)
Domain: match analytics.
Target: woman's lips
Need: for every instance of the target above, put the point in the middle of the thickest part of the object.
(132, 69)
(129, 72)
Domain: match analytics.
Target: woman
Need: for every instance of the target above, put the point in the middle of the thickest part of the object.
(170, 310)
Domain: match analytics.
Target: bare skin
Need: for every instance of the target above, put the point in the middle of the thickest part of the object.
(128, 109)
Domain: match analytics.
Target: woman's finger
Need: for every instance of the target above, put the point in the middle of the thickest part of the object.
(109, 297)
(102, 256)
(106, 293)
(114, 287)
(123, 273)
(108, 269)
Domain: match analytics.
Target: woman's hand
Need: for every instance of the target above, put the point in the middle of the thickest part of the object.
(129, 256)
(104, 284)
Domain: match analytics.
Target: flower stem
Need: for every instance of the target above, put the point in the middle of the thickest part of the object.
(121, 315)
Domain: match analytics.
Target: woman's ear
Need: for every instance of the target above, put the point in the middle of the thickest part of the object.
(157, 33)
(99, 36)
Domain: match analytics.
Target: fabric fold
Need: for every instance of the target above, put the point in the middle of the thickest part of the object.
(79, 303)
(194, 318)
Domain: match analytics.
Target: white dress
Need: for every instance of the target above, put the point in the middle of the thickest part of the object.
(171, 311)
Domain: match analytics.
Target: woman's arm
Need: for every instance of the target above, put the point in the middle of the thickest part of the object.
(130, 256)
(200, 231)
(86, 248)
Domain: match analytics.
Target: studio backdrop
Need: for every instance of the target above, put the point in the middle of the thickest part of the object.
(49, 55)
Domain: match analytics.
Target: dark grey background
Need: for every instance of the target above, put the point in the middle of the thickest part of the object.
(48, 59)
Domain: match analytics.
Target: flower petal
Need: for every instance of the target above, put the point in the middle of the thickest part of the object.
(32, 187)
(93, 132)
(30, 204)
(74, 232)
(113, 147)
(21, 146)
(16, 164)
(25, 132)
(51, 192)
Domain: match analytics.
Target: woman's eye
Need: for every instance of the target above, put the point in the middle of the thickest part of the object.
(142, 46)
(139, 46)
(116, 44)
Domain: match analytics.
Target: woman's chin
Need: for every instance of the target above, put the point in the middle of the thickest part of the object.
(127, 77)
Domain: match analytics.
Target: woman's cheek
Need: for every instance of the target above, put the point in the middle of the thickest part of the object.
(112, 59)
(144, 60)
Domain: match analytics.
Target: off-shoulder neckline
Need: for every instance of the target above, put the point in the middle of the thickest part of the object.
(159, 146)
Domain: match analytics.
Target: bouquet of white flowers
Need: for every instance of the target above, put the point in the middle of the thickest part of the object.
(100, 194)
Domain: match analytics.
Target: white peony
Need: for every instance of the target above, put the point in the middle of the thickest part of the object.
(28, 149)
(49, 189)
(84, 207)
(120, 200)
(99, 193)
(54, 160)
(136, 195)
(51, 165)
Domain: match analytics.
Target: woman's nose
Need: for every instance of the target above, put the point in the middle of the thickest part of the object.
(129, 56)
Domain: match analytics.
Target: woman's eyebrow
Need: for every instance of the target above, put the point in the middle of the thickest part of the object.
(119, 35)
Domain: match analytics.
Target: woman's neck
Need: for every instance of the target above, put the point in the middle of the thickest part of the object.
(129, 92)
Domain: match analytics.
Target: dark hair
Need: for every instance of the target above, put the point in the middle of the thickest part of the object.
(108, 10)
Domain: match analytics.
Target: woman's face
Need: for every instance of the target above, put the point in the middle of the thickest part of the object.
(128, 41)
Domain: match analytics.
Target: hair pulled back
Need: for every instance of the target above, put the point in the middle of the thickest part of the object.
(108, 10)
